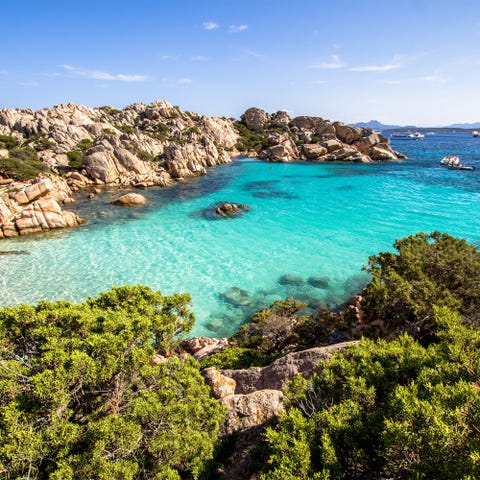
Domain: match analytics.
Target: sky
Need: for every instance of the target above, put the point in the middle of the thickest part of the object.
(400, 62)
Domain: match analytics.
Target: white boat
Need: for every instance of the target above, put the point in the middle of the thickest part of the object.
(476, 133)
(453, 161)
(407, 135)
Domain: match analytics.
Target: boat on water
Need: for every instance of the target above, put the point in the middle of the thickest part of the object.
(453, 162)
(475, 133)
(408, 135)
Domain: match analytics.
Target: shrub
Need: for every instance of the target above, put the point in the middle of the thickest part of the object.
(386, 410)
(81, 396)
(22, 164)
(8, 142)
(428, 270)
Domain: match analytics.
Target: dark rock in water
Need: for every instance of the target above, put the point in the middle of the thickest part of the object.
(344, 187)
(290, 280)
(236, 296)
(319, 282)
(214, 325)
(227, 209)
(14, 252)
(222, 210)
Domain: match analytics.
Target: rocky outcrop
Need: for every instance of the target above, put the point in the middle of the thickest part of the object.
(229, 209)
(130, 200)
(316, 139)
(141, 145)
(34, 208)
(277, 375)
(254, 395)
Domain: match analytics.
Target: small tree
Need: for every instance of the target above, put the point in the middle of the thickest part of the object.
(85, 394)
(429, 269)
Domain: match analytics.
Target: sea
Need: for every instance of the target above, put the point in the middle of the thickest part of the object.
(308, 234)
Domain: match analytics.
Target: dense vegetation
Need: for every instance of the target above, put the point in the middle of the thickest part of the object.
(85, 393)
(408, 408)
(22, 162)
(386, 410)
(99, 389)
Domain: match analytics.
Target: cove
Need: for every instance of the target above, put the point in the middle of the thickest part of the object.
(310, 230)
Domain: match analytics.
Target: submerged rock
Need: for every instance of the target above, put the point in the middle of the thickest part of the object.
(222, 210)
(236, 296)
(227, 209)
(130, 199)
(14, 252)
(288, 279)
(319, 282)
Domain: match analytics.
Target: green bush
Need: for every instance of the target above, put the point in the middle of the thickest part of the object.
(386, 410)
(235, 357)
(249, 140)
(77, 156)
(82, 398)
(8, 142)
(22, 164)
(428, 270)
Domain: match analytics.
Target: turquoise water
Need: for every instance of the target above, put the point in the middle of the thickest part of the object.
(306, 220)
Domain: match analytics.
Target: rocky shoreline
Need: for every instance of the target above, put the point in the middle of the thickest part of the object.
(76, 147)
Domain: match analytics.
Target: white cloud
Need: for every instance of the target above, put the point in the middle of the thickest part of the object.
(237, 28)
(210, 25)
(184, 81)
(335, 63)
(376, 68)
(250, 53)
(433, 79)
(198, 58)
(100, 75)
(318, 82)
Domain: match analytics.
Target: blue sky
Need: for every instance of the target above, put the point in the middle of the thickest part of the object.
(402, 62)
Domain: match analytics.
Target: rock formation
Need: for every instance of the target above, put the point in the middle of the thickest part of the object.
(130, 200)
(315, 139)
(157, 145)
(34, 208)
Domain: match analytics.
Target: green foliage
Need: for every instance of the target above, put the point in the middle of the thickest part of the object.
(22, 163)
(82, 398)
(125, 128)
(429, 270)
(270, 330)
(8, 142)
(386, 410)
(249, 140)
(76, 157)
(39, 142)
(235, 357)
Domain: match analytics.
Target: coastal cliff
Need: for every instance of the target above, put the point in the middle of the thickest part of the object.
(152, 145)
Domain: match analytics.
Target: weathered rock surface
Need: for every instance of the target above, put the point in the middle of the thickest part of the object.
(34, 208)
(130, 199)
(314, 138)
(277, 375)
(229, 209)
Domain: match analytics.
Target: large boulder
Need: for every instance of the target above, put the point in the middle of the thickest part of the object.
(313, 151)
(130, 200)
(248, 411)
(347, 133)
(277, 375)
(256, 119)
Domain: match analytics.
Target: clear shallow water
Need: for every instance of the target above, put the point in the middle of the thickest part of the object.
(307, 220)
